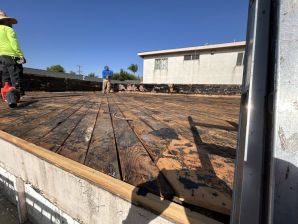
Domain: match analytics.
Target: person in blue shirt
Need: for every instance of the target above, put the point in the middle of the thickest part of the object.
(106, 77)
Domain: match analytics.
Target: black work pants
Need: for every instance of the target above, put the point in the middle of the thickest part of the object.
(12, 72)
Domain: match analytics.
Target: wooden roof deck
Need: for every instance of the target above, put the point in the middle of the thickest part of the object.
(178, 146)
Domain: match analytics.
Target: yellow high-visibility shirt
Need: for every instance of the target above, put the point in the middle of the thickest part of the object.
(9, 45)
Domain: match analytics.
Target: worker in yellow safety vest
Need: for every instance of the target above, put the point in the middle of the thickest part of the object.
(11, 56)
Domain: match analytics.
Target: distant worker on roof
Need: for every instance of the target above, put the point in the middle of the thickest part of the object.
(106, 79)
(11, 56)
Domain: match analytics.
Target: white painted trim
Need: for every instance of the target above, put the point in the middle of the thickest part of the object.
(197, 48)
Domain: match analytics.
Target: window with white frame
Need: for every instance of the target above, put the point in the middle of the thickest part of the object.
(161, 64)
(189, 57)
(195, 57)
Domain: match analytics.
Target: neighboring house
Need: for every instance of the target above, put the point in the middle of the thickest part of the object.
(209, 64)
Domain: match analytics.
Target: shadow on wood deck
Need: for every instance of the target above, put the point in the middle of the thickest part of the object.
(180, 147)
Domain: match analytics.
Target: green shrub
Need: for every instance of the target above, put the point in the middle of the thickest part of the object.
(123, 75)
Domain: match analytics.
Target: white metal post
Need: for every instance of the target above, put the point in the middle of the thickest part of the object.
(266, 180)
(248, 184)
(283, 198)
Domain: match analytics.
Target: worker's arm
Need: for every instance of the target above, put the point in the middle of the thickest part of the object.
(14, 43)
(110, 75)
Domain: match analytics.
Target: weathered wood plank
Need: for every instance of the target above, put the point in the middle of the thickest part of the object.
(203, 107)
(57, 137)
(200, 104)
(153, 143)
(217, 130)
(31, 109)
(27, 123)
(76, 145)
(185, 164)
(102, 152)
(190, 139)
(6, 111)
(46, 127)
(16, 116)
(136, 166)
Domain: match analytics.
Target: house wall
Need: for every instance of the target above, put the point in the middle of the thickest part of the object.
(217, 68)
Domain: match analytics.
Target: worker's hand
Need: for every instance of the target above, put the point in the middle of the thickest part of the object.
(22, 61)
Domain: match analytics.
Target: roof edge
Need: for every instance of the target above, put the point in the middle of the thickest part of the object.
(197, 48)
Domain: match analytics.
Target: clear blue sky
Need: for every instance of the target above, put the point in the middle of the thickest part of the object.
(95, 33)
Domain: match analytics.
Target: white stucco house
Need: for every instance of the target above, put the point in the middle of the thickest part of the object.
(208, 64)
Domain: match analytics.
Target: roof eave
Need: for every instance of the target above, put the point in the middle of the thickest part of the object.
(198, 48)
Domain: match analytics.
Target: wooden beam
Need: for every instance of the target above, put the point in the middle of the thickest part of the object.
(76, 145)
(22, 126)
(102, 152)
(57, 137)
(48, 125)
(136, 165)
(184, 161)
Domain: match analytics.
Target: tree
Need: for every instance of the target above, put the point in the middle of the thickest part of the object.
(123, 75)
(134, 68)
(92, 74)
(56, 68)
(72, 73)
